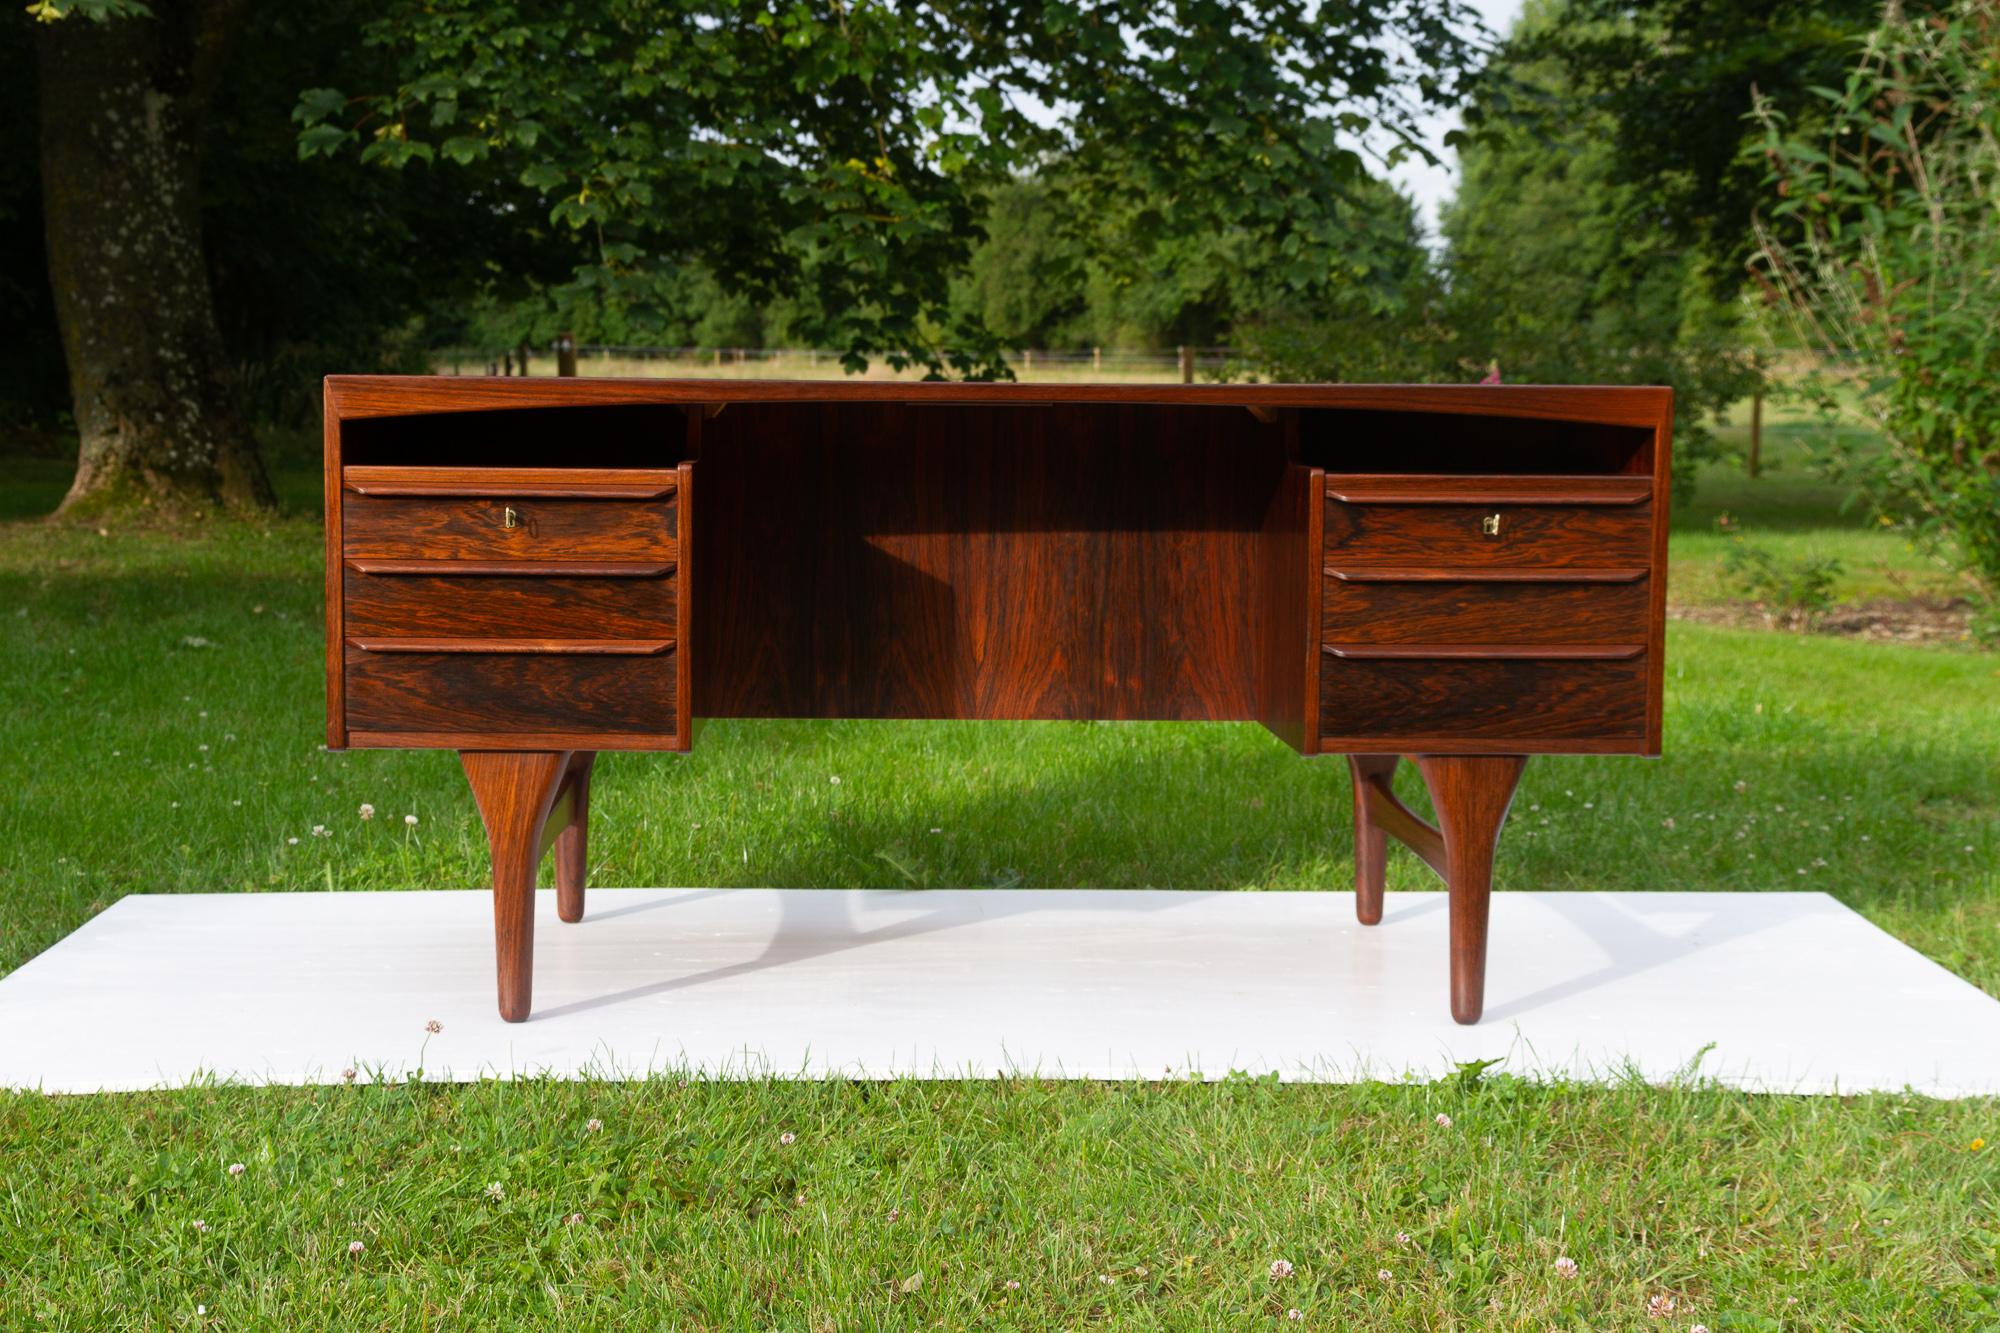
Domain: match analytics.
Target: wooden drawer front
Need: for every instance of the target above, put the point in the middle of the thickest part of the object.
(423, 606)
(1510, 522)
(1360, 610)
(512, 693)
(1484, 699)
(475, 528)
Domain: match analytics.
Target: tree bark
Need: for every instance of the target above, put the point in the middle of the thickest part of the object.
(122, 104)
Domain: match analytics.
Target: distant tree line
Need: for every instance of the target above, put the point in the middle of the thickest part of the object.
(345, 191)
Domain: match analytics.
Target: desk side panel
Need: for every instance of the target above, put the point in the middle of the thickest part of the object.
(336, 684)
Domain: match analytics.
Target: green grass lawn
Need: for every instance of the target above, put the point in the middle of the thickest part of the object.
(161, 708)
(1794, 512)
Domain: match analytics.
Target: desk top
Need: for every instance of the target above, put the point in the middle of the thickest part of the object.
(358, 396)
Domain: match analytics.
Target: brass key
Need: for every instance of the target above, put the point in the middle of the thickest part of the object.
(1490, 525)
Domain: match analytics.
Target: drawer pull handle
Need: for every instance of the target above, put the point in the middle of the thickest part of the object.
(1485, 652)
(567, 647)
(510, 519)
(1490, 525)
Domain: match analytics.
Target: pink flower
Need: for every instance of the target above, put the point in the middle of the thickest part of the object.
(433, 1027)
(572, 1219)
(1443, 1120)
(1492, 374)
(1660, 1306)
(1281, 1268)
(199, 1225)
(1013, 1284)
(355, 1247)
(1384, 1275)
(347, 1074)
(788, 1138)
(592, 1125)
(1296, 1316)
(236, 1168)
(1566, 1267)
(1402, 1238)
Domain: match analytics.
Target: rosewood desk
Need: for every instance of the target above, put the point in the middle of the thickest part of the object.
(532, 571)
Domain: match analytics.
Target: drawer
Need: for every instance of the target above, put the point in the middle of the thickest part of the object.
(530, 529)
(499, 607)
(625, 694)
(1526, 700)
(1360, 606)
(1498, 522)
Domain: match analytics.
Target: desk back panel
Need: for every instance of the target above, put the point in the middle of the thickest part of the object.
(889, 560)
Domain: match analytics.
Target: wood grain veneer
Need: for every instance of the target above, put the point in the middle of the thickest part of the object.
(1540, 536)
(476, 528)
(511, 692)
(583, 483)
(1503, 700)
(495, 606)
(1446, 610)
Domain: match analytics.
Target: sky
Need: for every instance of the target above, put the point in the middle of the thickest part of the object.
(1433, 186)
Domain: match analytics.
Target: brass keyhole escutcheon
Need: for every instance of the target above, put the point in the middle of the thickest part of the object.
(509, 519)
(1490, 525)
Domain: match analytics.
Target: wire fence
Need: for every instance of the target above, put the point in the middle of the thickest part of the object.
(1186, 364)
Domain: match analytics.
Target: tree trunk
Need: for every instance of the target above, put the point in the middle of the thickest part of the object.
(122, 104)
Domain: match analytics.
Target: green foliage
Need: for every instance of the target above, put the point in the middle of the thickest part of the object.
(1794, 591)
(1674, 82)
(836, 154)
(54, 11)
(1559, 270)
(1881, 251)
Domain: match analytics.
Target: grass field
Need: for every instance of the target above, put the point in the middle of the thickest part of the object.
(161, 711)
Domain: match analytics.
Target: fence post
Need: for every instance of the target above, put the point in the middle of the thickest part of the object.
(1097, 358)
(566, 354)
(1187, 364)
(1027, 360)
(1756, 458)
(506, 363)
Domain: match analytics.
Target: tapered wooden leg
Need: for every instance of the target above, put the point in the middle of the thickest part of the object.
(571, 842)
(1371, 840)
(515, 789)
(1471, 794)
